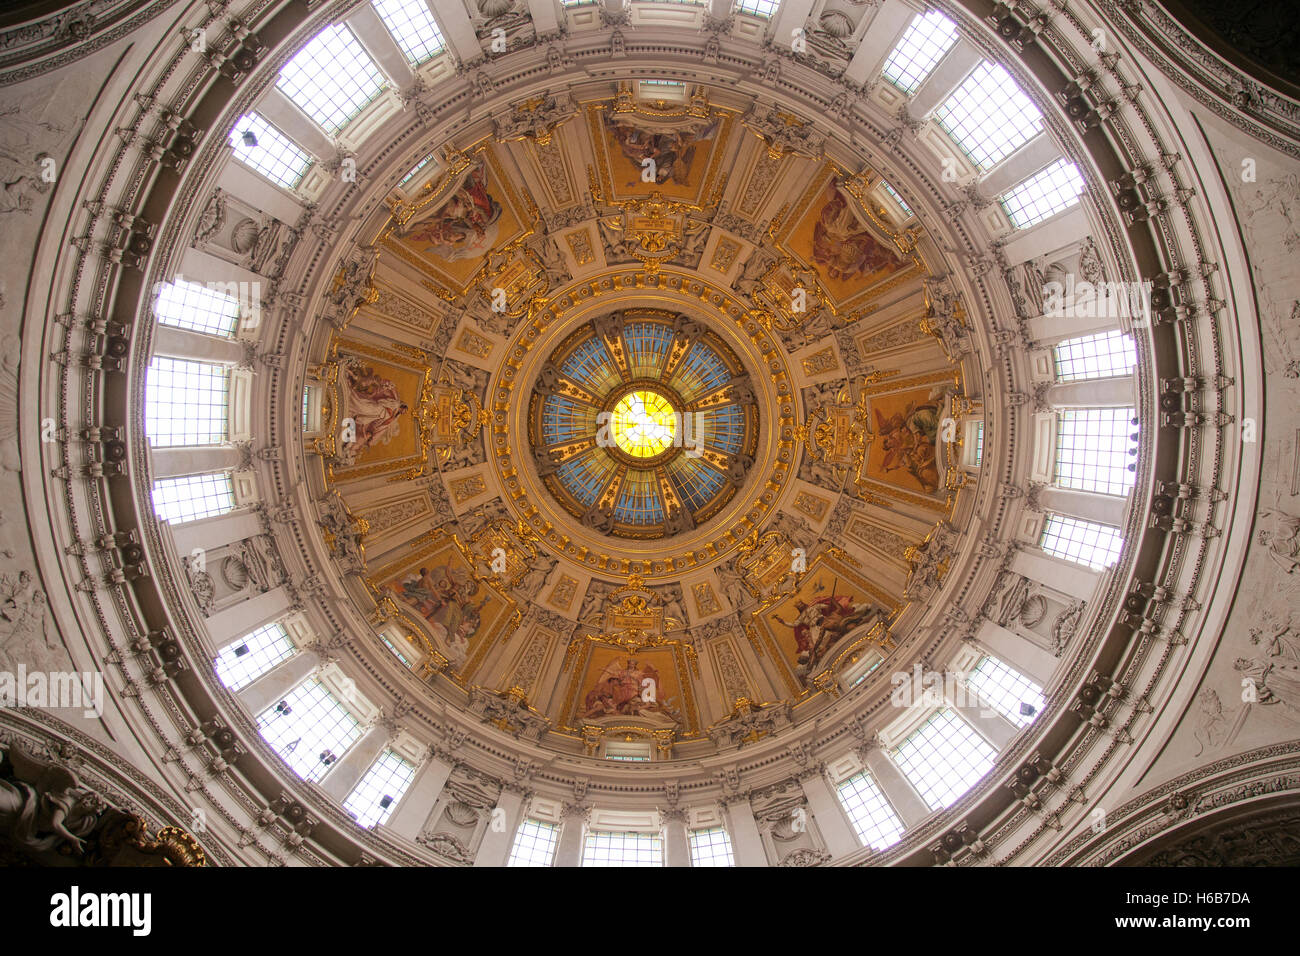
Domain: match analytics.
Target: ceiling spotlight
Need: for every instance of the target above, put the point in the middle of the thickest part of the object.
(1027, 709)
(241, 650)
(249, 139)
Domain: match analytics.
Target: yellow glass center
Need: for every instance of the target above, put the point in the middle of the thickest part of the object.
(644, 424)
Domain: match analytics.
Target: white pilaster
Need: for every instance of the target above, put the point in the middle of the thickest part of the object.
(1088, 505)
(193, 460)
(1065, 576)
(215, 532)
(1022, 654)
(1024, 162)
(1060, 230)
(898, 790)
(278, 681)
(826, 810)
(946, 77)
(282, 113)
(790, 16)
(457, 30)
(381, 46)
(677, 845)
(413, 809)
(569, 850)
(247, 616)
(182, 343)
(1093, 393)
(494, 848)
(990, 724)
(883, 33)
(746, 841)
(352, 766)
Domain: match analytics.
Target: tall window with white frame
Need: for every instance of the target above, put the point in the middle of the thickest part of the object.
(623, 848)
(943, 758)
(989, 116)
(375, 796)
(332, 79)
(1095, 449)
(413, 27)
(186, 402)
(310, 729)
(261, 147)
(1093, 545)
(1006, 690)
(244, 661)
(919, 50)
(1109, 354)
(711, 846)
(1044, 194)
(875, 821)
(197, 307)
(535, 843)
(758, 8)
(192, 497)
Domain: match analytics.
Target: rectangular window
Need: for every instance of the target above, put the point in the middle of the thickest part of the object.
(413, 27)
(396, 651)
(259, 145)
(919, 51)
(1043, 194)
(193, 497)
(759, 8)
(944, 758)
(185, 403)
(1104, 355)
(988, 116)
(415, 170)
(199, 308)
(896, 197)
(1007, 691)
(1092, 450)
(309, 729)
(630, 757)
(248, 659)
(332, 78)
(373, 799)
(711, 847)
(623, 848)
(979, 443)
(866, 673)
(535, 844)
(1096, 546)
(873, 818)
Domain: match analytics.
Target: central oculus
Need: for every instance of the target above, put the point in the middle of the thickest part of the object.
(644, 423)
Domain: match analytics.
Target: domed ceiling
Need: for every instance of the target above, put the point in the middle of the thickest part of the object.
(638, 417)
